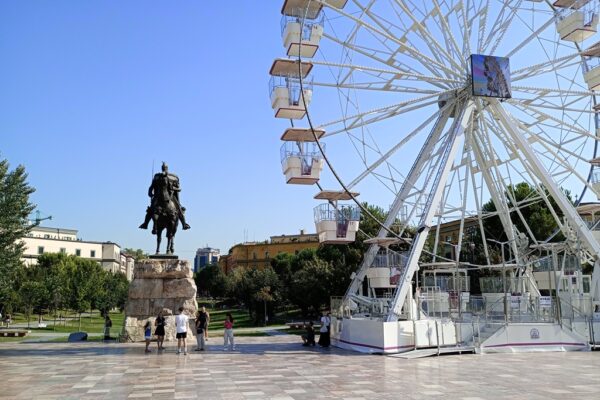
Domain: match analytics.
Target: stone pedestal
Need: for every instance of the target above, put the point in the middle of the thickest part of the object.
(160, 285)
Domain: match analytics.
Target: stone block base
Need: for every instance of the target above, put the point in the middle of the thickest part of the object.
(160, 285)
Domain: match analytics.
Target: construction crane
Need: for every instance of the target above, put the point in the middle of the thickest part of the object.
(38, 218)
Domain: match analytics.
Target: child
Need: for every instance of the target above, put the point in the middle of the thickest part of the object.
(228, 336)
(309, 337)
(148, 335)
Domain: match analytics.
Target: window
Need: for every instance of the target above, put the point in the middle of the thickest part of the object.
(78, 252)
(93, 253)
(40, 249)
(254, 255)
(267, 255)
(63, 250)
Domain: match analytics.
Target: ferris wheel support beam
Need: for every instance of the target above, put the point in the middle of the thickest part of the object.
(569, 212)
(493, 181)
(399, 201)
(452, 145)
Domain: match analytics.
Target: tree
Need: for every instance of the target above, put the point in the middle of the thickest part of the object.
(211, 281)
(111, 292)
(84, 279)
(311, 285)
(14, 210)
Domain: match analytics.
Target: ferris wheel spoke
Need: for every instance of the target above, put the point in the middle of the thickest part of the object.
(434, 45)
(379, 72)
(384, 112)
(558, 121)
(545, 67)
(548, 106)
(534, 35)
(373, 55)
(500, 26)
(395, 148)
(425, 61)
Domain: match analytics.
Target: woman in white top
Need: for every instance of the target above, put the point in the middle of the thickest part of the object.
(324, 339)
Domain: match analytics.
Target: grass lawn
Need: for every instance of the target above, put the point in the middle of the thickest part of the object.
(70, 323)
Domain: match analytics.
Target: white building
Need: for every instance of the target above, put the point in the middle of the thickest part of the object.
(206, 256)
(42, 240)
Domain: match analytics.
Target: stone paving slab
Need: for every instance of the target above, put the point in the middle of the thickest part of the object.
(278, 367)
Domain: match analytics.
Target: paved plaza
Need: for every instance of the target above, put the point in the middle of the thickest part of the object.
(277, 367)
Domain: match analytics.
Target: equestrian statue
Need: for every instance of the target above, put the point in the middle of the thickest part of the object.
(165, 210)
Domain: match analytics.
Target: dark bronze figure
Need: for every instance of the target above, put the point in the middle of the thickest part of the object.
(165, 210)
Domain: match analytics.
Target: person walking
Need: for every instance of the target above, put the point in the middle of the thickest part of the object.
(160, 324)
(200, 328)
(181, 325)
(324, 339)
(148, 335)
(228, 335)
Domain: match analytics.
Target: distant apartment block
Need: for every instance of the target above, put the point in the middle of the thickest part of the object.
(206, 256)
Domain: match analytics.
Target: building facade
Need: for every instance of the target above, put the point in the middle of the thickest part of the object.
(206, 256)
(259, 254)
(41, 240)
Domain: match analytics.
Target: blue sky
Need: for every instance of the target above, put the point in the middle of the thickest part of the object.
(94, 93)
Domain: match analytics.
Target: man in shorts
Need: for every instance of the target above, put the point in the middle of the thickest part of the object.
(181, 324)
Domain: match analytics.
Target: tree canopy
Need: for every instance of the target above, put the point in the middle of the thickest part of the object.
(15, 208)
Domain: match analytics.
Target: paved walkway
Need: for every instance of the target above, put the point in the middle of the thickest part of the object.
(277, 367)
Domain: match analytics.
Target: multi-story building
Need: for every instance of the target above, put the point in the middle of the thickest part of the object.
(127, 264)
(259, 254)
(206, 256)
(42, 240)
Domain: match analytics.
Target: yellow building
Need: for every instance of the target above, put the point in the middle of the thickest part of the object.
(259, 254)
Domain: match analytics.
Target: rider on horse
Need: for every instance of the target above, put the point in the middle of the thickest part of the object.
(164, 190)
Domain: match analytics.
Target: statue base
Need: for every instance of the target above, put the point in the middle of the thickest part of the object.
(163, 257)
(160, 284)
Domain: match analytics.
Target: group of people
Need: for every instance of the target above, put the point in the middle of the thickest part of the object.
(308, 338)
(182, 323)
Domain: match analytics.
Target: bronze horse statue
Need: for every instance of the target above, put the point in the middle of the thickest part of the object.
(165, 210)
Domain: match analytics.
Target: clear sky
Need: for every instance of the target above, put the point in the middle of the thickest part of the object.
(93, 93)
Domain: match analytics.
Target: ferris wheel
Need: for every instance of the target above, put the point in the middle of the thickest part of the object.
(431, 108)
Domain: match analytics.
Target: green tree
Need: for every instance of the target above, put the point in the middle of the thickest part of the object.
(211, 281)
(311, 285)
(111, 292)
(14, 210)
(84, 279)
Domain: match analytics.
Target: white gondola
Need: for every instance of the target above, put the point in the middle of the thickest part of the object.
(386, 268)
(578, 21)
(301, 39)
(308, 8)
(287, 99)
(301, 162)
(336, 224)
